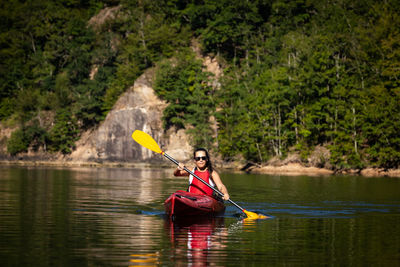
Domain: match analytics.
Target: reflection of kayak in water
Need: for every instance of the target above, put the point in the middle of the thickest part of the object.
(203, 222)
(182, 203)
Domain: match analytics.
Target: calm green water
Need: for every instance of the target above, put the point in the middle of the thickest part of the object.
(114, 217)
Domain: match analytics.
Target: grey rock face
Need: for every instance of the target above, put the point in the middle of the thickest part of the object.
(137, 109)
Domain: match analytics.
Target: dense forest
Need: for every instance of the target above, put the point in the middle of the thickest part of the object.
(297, 73)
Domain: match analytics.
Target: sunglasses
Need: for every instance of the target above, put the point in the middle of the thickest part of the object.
(200, 158)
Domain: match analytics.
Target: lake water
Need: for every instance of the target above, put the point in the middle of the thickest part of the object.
(115, 217)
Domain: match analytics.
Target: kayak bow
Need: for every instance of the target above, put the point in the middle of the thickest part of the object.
(182, 203)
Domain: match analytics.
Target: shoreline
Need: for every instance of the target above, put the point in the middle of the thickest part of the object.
(91, 164)
(294, 169)
(290, 169)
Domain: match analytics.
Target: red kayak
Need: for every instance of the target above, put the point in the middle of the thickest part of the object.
(189, 204)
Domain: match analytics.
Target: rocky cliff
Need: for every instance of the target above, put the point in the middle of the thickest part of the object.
(137, 109)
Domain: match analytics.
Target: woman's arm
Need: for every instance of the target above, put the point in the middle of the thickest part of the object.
(179, 171)
(221, 187)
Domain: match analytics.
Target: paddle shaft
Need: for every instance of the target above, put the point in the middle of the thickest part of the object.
(201, 180)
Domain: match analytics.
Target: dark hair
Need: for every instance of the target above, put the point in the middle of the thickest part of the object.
(208, 164)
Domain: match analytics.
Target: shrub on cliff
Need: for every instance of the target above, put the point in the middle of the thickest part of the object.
(64, 133)
(17, 143)
(21, 139)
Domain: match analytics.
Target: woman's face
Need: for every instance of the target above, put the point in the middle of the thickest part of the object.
(200, 159)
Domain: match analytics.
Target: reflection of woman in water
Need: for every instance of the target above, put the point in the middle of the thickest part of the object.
(194, 238)
(198, 243)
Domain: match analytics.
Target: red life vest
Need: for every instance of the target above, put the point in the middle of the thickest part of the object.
(197, 187)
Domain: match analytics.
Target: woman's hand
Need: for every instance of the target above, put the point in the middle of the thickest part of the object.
(180, 170)
(226, 196)
(181, 166)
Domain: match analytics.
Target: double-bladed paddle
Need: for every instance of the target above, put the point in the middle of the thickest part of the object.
(148, 142)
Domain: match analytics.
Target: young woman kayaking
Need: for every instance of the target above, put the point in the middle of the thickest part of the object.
(205, 171)
(186, 204)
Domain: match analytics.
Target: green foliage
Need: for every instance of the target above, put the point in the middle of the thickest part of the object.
(37, 136)
(18, 142)
(152, 36)
(88, 107)
(64, 133)
(6, 107)
(297, 74)
(21, 139)
(316, 90)
(184, 85)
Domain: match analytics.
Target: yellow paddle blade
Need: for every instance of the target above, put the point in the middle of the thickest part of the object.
(254, 216)
(146, 140)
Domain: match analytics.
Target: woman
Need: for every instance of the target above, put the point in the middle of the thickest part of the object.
(205, 171)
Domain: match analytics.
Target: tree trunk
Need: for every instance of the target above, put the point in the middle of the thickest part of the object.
(259, 153)
(354, 131)
(279, 132)
(296, 130)
(141, 32)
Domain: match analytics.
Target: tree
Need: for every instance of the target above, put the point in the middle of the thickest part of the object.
(64, 133)
(187, 89)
